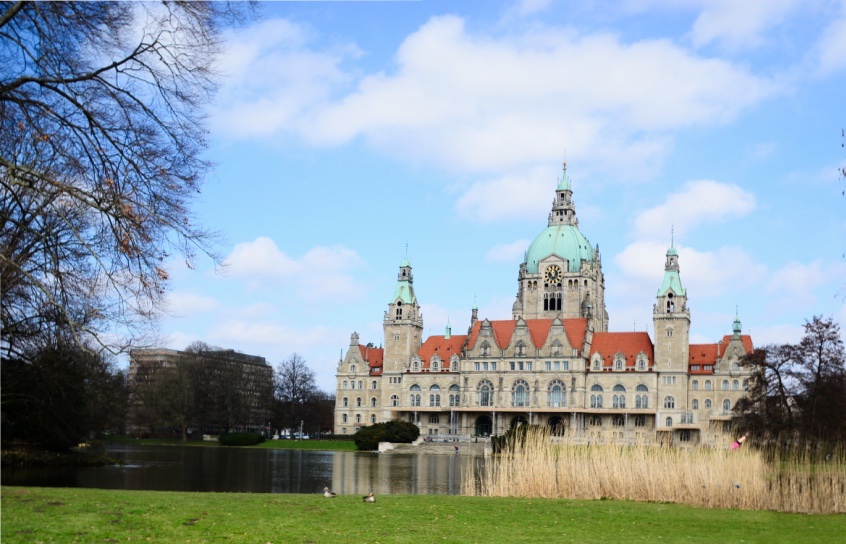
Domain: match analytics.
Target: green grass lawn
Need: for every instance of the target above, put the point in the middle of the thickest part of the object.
(94, 515)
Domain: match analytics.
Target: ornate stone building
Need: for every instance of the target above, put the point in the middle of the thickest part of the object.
(553, 363)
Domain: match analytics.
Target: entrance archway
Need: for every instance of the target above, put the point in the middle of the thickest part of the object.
(519, 420)
(558, 425)
(484, 426)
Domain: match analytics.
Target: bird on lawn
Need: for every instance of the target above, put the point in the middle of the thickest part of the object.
(369, 498)
(328, 494)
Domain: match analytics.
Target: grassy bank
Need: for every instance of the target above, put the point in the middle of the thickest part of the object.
(791, 482)
(93, 515)
(326, 445)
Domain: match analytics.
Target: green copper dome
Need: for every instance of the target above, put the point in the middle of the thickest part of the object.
(565, 241)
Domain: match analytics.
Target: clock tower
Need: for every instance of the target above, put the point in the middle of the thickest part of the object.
(561, 275)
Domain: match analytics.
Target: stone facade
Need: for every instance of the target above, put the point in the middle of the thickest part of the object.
(553, 363)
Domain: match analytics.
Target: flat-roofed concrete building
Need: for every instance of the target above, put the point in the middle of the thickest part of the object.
(231, 390)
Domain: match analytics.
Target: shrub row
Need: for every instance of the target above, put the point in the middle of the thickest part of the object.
(241, 439)
(368, 438)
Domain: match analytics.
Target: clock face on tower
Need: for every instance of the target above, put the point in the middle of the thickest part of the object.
(553, 274)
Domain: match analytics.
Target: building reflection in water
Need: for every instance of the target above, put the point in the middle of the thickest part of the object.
(355, 473)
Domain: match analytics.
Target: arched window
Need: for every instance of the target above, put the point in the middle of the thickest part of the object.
(641, 388)
(745, 385)
(695, 385)
(373, 402)
(399, 309)
(668, 422)
(345, 384)
(358, 418)
(360, 384)
(454, 395)
(352, 369)
(641, 364)
(415, 395)
(358, 402)
(735, 384)
(618, 363)
(520, 394)
(726, 405)
(434, 366)
(707, 385)
(707, 403)
(669, 402)
(352, 385)
(373, 384)
(619, 401)
(735, 366)
(695, 404)
(597, 364)
(596, 399)
(486, 349)
(414, 366)
(725, 384)
(435, 396)
(373, 419)
(394, 400)
(346, 402)
(485, 393)
(556, 395)
(343, 418)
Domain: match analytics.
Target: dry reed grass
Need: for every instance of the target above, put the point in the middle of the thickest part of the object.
(707, 477)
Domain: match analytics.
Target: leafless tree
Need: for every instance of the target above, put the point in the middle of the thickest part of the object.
(101, 141)
(294, 384)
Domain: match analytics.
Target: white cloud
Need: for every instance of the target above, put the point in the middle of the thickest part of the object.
(698, 202)
(183, 304)
(520, 195)
(267, 333)
(777, 334)
(832, 47)
(508, 253)
(707, 273)
(794, 285)
(457, 99)
(739, 24)
(322, 272)
(273, 78)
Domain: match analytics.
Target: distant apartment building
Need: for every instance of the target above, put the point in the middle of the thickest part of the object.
(218, 389)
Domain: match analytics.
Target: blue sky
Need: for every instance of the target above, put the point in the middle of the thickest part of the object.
(346, 132)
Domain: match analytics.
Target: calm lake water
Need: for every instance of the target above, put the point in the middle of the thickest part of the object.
(194, 468)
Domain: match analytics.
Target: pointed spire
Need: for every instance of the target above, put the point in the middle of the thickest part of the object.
(563, 207)
(405, 288)
(736, 326)
(447, 330)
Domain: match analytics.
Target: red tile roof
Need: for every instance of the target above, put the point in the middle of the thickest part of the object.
(609, 344)
(374, 357)
(710, 354)
(442, 346)
(538, 331)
